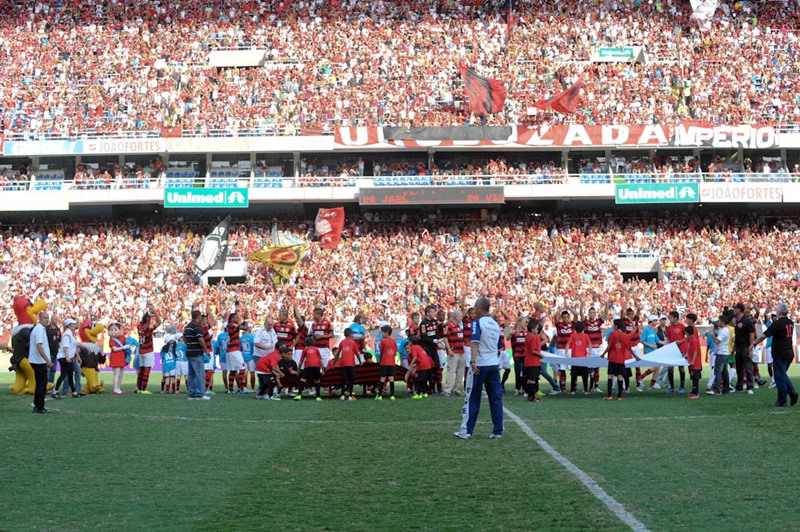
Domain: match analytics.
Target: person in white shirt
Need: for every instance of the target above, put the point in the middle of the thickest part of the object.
(484, 370)
(40, 360)
(722, 335)
(265, 340)
(67, 356)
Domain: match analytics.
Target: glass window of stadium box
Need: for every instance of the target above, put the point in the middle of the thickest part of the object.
(329, 170)
(793, 163)
(411, 169)
(515, 168)
(228, 169)
(96, 172)
(15, 173)
(733, 164)
(764, 164)
(52, 172)
(271, 168)
(644, 166)
(141, 171)
(185, 171)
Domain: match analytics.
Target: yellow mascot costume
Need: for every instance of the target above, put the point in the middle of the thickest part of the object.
(91, 353)
(24, 381)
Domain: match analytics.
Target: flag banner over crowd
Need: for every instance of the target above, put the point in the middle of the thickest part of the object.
(485, 95)
(703, 11)
(683, 134)
(565, 102)
(328, 226)
(282, 260)
(214, 249)
(666, 356)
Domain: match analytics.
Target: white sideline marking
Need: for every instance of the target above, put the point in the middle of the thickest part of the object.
(664, 418)
(600, 494)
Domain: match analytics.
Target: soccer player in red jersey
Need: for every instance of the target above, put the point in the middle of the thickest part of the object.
(348, 353)
(594, 329)
(236, 367)
(617, 350)
(286, 332)
(564, 328)
(322, 331)
(388, 352)
(267, 370)
(692, 354)
(676, 332)
(578, 347)
(632, 328)
(518, 336)
(150, 322)
(532, 359)
(421, 364)
(311, 366)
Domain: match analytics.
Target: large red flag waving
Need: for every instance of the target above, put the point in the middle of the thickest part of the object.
(329, 225)
(564, 102)
(485, 95)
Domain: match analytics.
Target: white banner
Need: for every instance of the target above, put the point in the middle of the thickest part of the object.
(741, 192)
(669, 355)
(791, 192)
(704, 12)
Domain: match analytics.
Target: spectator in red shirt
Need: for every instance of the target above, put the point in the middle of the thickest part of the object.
(692, 354)
(311, 366)
(532, 360)
(578, 347)
(617, 350)
(348, 353)
(388, 353)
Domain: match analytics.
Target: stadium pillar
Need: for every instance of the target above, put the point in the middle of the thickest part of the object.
(296, 164)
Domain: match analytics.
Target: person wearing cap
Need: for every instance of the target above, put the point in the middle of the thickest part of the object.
(743, 339)
(719, 358)
(782, 333)
(67, 354)
(649, 339)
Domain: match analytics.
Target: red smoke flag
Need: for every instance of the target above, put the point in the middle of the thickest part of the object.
(564, 102)
(329, 225)
(485, 95)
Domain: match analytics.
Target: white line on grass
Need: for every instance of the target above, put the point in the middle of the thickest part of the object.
(616, 508)
(663, 418)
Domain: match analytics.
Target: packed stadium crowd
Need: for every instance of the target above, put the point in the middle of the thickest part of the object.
(392, 263)
(112, 67)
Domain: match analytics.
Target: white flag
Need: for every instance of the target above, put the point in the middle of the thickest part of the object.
(703, 12)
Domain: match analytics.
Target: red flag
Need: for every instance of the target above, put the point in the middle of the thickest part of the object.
(171, 132)
(485, 95)
(565, 102)
(329, 225)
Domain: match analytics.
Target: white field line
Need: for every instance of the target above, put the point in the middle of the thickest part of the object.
(600, 494)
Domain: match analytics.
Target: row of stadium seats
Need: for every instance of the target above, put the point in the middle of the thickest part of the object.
(267, 182)
(268, 173)
(49, 184)
(393, 181)
(224, 182)
(595, 179)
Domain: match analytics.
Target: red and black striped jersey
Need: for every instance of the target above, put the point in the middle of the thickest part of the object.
(466, 324)
(233, 337)
(632, 328)
(594, 330)
(206, 335)
(302, 332)
(322, 328)
(518, 343)
(285, 331)
(455, 337)
(563, 332)
(145, 338)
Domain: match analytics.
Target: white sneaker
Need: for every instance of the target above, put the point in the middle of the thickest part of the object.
(204, 398)
(274, 398)
(772, 385)
(555, 392)
(494, 436)
(656, 386)
(750, 392)
(343, 398)
(462, 434)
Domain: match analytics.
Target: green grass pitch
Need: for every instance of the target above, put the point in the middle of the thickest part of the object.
(161, 462)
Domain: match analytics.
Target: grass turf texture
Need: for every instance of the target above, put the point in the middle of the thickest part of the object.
(162, 462)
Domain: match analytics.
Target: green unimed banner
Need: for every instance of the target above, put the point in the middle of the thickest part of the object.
(204, 198)
(657, 193)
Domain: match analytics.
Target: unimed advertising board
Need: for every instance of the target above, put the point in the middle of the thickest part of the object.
(657, 193)
(206, 198)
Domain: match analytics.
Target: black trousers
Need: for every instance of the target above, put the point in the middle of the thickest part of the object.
(40, 374)
(519, 373)
(744, 369)
(68, 373)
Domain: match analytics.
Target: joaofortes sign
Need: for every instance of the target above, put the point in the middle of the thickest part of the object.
(629, 193)
(741, 193)
(205, 198)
